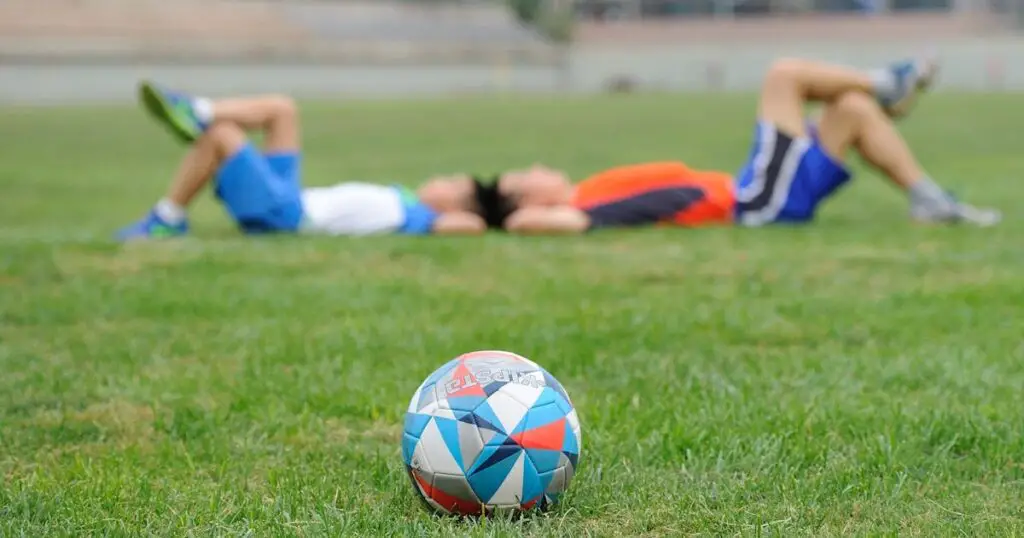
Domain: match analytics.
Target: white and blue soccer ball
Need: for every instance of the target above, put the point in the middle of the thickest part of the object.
(488, 431)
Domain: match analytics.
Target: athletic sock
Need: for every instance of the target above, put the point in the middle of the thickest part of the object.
(170, 212)
(926, 189)
(202, 107)
(926, 193)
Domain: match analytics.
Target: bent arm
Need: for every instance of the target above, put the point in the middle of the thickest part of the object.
(459, 223)
(548, 220)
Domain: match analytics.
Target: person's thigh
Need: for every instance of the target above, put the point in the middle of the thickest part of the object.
(781, 103)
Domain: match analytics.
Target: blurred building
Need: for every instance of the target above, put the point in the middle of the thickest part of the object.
(95, 49)
(342, 31)
(631, 9)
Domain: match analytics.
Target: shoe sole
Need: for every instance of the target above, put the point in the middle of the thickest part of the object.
(994, 220)
(158, 107)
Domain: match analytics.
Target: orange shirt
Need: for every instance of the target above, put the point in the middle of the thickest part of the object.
(656, 193)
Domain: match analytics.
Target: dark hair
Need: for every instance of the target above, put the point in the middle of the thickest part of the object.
(493, 206)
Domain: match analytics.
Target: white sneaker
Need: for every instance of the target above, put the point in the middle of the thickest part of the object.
(912, 78)
(953, 212)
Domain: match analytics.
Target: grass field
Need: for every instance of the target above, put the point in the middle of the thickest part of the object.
(858, 376)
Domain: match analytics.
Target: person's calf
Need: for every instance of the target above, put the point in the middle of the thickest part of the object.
(856, 119)
(217, 144)
(790, 83)
(880, 144)
(841, 122)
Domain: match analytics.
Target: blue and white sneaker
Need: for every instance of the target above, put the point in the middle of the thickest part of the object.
(173, 109)
(911, 78)
(949, 210)
(152, 227)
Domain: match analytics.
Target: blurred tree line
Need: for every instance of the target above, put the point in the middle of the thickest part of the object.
(556, 25)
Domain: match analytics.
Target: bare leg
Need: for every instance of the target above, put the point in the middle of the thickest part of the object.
(216, 130)
(856, 120)
(219, 142)
(188, 116)
(790, 84)
(853, 117)
(275, 115)
(169, 217)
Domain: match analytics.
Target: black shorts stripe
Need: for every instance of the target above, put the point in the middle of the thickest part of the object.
(769, 176)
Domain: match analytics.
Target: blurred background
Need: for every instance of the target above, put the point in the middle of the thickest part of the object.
(94, 50)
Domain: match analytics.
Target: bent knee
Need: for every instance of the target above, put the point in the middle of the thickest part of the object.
(785, 70)
(282, 106)
(782, 99)
(220, 131)
(224, 137)
(857, 104)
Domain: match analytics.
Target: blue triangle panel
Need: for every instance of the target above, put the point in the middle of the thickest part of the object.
(542, 416)
(485, 413)
(545, 479)
(449, 429)
(532, 486)
(547, 396)
(465, 403)
(408, 446)
(569, 440)
(415, 423)
(544, 461)
(495, 456)
(564, 405)
(493, 387)
(485, 482)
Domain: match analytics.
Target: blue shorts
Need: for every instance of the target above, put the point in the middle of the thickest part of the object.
(785, 178)
(262, 192)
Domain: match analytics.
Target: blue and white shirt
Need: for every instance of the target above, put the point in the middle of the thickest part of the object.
(364, 209)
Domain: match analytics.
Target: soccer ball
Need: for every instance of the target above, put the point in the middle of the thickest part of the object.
(490, 431)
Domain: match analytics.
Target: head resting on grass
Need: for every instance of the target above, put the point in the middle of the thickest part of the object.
(538, 185)
(491, 205)
(448, 194)
(496, 197)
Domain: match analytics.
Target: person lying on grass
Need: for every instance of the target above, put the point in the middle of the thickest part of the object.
(794, 165)
(261, 187)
